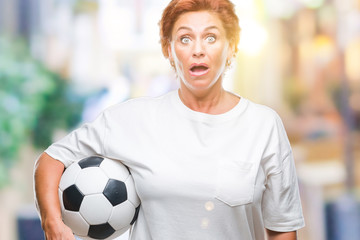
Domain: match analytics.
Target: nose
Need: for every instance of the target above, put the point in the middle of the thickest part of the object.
(198, 50)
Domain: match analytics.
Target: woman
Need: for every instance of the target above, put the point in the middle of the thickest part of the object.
(206, 163)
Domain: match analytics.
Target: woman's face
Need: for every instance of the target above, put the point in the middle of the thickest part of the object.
(199, 49)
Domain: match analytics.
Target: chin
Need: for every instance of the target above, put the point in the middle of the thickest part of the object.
(199, 85)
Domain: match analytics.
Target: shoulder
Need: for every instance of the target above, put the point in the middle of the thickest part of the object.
(263, 113)
(266, 122)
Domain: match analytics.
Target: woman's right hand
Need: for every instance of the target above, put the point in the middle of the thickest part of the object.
(57, 230)
(47, 176)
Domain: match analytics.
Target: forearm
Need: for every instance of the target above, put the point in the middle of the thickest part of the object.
(272, 235)
(47, 176)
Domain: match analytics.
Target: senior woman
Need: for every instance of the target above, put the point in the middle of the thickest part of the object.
(207, 163)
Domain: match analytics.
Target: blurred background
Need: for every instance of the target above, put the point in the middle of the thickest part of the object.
(64, 61)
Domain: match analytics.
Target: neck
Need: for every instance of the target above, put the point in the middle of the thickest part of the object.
(206, 101)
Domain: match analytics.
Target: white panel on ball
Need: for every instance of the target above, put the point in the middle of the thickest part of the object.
(69, 176)
(114, 169)
(95, 215)
(91, 180)
(122, 215)
(76, 221)
(132, 195)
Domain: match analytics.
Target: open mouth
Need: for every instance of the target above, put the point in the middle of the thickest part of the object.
(198, 69)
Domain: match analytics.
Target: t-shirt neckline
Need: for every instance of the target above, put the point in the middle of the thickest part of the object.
(206, 117)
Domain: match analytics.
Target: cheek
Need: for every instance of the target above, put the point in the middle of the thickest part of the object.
(179, 60)
(219, 55)
(179, 54)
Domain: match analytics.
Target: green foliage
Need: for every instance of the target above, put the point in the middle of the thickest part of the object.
(62, 111)
(33, 103)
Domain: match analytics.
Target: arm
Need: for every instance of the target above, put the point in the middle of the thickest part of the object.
(272, 235)
(47, 176)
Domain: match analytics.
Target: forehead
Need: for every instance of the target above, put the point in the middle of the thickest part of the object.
(198, 21)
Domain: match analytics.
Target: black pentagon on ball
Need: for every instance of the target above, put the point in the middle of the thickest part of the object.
(72, 198)
(101, 231)
(136, 215)
(93, 161)
(115, 192)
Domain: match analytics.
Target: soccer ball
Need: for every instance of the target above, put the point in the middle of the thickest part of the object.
(98, 199)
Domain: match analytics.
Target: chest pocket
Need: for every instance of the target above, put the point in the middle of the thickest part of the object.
(235, 183)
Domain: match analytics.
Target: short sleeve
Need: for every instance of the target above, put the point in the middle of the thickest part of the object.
(281, 204)
(83, 142)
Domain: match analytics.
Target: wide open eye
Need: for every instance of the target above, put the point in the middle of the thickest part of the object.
(211, 39)
(185, 40)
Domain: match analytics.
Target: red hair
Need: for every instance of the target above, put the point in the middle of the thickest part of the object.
(224, 9)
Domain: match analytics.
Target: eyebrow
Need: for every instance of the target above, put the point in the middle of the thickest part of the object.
(206, 29)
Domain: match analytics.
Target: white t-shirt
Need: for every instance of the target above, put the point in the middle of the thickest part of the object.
(198, 176)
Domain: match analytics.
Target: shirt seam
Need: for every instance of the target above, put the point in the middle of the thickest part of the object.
(104, 136)
(286, 155)
(294, 223)
(210, 119)
(279, 171)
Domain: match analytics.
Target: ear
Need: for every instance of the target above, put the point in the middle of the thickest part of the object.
(170, 53)
(231, 51)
